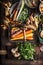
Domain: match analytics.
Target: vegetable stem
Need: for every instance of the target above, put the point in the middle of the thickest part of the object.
(22, 6)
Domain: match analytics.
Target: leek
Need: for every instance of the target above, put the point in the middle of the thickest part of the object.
(22, 6)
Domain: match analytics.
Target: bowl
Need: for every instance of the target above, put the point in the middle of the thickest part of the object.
(41, 17)
(40, 39)
(41, 0)
(41, 8)
(31, 3)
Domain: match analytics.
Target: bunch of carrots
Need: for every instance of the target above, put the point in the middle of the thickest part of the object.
(20, 35)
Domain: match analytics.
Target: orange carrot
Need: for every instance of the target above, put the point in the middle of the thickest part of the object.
(30, 38)
(15, 15)
(21, 34)
(28, 35)
(17, 36)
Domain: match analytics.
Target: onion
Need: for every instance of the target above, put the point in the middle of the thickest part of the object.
(41, 34)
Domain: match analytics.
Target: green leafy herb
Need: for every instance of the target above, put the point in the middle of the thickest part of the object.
(24, 14)
(26, 50)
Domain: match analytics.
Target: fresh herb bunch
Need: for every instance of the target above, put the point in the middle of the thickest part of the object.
(26, 50)
(24, 14)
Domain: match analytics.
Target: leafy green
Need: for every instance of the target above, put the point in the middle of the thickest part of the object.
(24, 14)
(26, 50)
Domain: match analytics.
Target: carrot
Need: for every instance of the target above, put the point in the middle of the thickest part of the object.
(21, 34)
(15, 15)
(13, 30)
(28, 35)
(29, 31)
(18, 36)
(16, 33)
(30, 38)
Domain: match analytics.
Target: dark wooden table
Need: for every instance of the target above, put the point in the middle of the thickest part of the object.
(22, 62)
(9, 58)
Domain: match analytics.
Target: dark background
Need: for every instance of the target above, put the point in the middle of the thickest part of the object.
(2, 14)
(10, 59)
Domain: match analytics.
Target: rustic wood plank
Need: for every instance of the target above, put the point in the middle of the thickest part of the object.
(23, 62)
